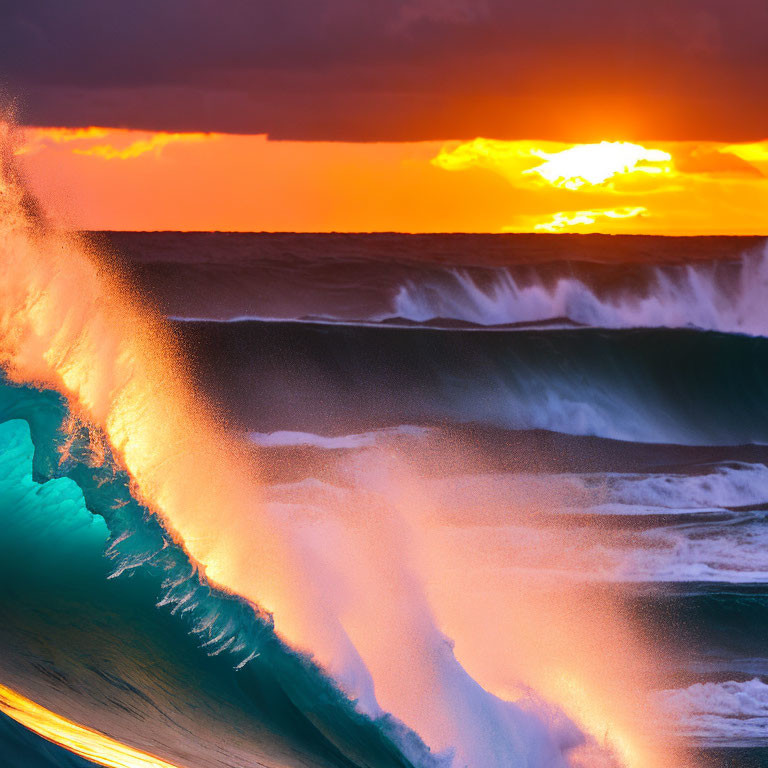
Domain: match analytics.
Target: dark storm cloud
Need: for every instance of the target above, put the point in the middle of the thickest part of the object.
(393, 69)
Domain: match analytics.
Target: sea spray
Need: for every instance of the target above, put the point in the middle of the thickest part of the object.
(68, 326)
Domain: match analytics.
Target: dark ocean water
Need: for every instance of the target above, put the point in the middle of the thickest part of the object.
(629, 374)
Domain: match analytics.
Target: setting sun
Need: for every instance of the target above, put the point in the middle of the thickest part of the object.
(598, 163)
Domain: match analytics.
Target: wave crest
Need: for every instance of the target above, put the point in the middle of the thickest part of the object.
(726, 296)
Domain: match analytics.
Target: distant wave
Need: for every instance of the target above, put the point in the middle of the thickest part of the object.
(735, 484)
(733, 551)
(715, 296)
(707, 524)
(717, 487)
(360, 284)
(721, 714)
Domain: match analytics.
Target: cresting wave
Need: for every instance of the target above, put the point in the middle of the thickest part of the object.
(79, 473)
(462, 281)
(145, 449)
(726, 296)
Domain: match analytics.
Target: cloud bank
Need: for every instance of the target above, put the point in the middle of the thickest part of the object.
(393, 70)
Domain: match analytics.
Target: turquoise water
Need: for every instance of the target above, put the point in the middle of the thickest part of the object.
(101, 607)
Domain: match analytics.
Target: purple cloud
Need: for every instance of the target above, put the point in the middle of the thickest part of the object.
(393, 69)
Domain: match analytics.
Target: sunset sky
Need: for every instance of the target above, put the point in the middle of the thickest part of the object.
(411, 115)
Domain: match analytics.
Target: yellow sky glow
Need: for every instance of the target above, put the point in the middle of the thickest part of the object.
(155, 143)
(108, 178)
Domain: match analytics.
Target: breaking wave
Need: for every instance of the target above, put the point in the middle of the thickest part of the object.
(330, 614)
(725, 296)
(714, 284)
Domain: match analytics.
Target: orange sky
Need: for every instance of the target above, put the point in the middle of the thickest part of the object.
(102, 178)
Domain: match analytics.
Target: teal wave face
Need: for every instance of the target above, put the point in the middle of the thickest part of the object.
(84, 568)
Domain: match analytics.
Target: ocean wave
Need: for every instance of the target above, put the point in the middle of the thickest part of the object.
(718, 487)
(723, 486)
(651, 528)
(534, 548)
(713, 296)
(78, 484)
(733, 551)
(447, 281)
(652, 386)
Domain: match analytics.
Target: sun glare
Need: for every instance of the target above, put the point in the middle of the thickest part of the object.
(594, 164)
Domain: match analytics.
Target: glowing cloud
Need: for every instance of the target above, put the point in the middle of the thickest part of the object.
(484, 152)
(596, 164)
(155, 143)
(564, 166)
(87, 743)
(756, 152)
(39, 137)
(121, 144)
(65, 135)
(568, 221)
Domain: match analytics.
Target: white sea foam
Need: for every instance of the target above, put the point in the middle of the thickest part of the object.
(720, 714)
(734, 484)
(501, 514)
(734, 552)
(286, 438)
(705, 488)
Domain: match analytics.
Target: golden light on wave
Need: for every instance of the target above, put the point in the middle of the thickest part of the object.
(85, 742)
(594, 164)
